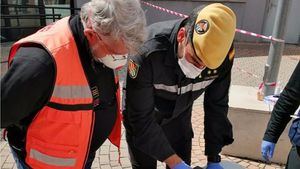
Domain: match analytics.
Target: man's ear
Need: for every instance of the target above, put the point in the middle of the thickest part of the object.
(90, 35)
(181, 34)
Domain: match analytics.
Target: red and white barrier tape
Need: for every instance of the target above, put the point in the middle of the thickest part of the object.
(237, 30)
(258, 35)
(166, 10)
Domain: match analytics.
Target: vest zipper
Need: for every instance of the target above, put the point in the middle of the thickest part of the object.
(90, 139)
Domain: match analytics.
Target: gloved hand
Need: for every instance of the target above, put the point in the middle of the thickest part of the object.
(267, 150)
(214, 166)
(182, 165)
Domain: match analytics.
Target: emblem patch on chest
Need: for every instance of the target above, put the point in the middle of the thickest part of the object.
(133, 69)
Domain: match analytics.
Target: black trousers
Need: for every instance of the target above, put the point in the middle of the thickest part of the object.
(293, 161)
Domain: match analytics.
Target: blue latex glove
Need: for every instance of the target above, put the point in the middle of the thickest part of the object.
(214, 166)
(294, 132)
(182, 165)
(267, 150)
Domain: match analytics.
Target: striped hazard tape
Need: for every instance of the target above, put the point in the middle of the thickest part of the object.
(165, 10)
(258, 35)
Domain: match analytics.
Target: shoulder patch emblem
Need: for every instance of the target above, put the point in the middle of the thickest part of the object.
(133, 69)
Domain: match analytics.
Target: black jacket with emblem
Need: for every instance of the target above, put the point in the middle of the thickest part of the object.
(159, 98)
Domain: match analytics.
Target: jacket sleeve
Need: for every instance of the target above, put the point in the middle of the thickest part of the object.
(26, 86)
(217, 127)
(146, 134)
(286, 105)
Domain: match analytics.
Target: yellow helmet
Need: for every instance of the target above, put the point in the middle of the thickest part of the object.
(213, 34)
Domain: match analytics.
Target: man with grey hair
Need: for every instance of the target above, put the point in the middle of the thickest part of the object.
(62, 80)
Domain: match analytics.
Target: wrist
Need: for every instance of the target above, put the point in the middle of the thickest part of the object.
(214, 159)
(173, 160)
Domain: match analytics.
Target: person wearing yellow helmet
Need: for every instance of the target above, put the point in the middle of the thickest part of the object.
(180, 60)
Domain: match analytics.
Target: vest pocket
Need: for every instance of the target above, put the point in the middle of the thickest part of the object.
(65, 126)
(57, 127)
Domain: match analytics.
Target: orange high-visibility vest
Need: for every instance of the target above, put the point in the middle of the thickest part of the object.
(60, 134)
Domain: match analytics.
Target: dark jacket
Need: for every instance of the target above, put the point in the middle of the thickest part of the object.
(285, 106)
(28, 83)
(160, 94)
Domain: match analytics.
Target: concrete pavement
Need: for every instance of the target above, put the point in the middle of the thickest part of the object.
(107, 155)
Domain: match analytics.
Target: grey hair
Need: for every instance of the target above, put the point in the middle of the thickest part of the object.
(117, 18)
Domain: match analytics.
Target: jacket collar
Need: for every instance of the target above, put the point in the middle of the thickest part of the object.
(81, 41)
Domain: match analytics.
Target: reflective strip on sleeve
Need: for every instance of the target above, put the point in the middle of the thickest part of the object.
(50, 160)
(202, 85)
(184, 89)
(172, 89)
(72, 92)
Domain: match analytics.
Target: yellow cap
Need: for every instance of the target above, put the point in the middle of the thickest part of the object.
(213, 34)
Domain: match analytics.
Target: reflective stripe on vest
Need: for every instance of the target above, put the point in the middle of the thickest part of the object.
(183, 89)
(57, 161)
(72, 92)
